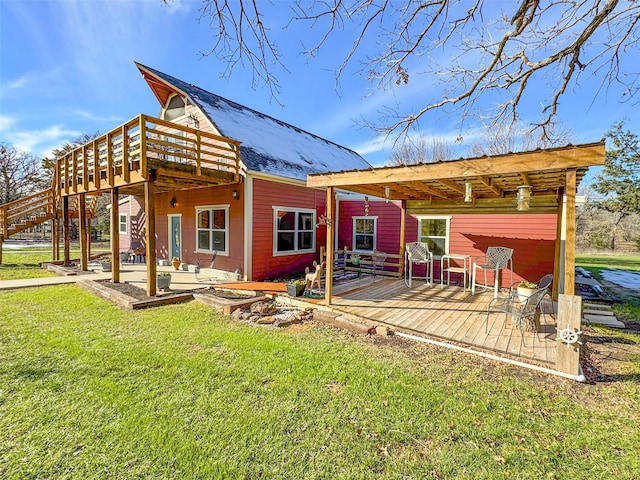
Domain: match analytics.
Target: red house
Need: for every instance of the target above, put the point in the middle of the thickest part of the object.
(264, 225)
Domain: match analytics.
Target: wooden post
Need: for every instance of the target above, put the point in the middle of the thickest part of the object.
(1, 241)
(570, 237)
(569, 318)
(65, 229)
(82, 231)
(115, 237)
(558, 247)
(150, 234)
(55, 239)
(328, 284)
(403, 242)
(125, 153)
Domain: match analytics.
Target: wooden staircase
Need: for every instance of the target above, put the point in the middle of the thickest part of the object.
(27, 212)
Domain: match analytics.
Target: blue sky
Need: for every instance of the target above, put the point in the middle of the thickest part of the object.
(67, 68)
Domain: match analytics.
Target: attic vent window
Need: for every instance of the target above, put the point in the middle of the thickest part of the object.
(175, 108)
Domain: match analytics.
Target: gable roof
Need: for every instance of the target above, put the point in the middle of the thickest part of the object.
(268, 145)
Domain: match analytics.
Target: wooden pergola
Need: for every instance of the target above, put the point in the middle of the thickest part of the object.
(490, 185)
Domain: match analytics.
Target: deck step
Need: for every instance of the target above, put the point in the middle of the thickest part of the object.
(599, 306)
(598, 312)
(606, 320)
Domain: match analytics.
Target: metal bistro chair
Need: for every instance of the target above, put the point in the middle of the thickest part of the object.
(418, 253)
(520, 311)
(377, 261)
(545, 282)
(496, 258)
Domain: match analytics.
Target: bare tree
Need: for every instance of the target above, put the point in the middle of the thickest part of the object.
(516, 137)
(474, 48)
(419, 150)
(18, 171)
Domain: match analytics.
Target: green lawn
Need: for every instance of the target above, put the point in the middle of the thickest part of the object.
(90, 391)
(25, 263)
(629, 309)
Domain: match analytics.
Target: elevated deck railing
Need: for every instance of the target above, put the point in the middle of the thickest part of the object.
(121, 156)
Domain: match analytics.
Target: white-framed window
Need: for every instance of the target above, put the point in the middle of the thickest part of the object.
(294, 230)
(434, 230)
(123, 220)
(364, 233)
(212, 229)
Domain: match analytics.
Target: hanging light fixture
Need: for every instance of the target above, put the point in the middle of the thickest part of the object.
(523, 198)
(386, 194)
(468, 192)
(366, 206)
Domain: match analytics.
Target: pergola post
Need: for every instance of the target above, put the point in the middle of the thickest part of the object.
(569, 304)
(403, 224)
(82, 231)
(328, 285)
(150, 233)
(570, 234)
(115, 237)
(557, 263)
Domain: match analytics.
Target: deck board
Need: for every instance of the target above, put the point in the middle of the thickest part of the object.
(444, 312)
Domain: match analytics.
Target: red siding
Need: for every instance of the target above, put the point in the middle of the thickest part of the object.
(187, 201)
(266, 195)
(532, 236)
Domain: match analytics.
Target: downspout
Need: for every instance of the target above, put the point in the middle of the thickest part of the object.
(578, 378)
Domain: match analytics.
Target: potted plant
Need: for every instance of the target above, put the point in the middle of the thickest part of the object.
(163, 280)
(175, 261)
(105, 262)
(124, 257)
(296, 288)
(525, 289)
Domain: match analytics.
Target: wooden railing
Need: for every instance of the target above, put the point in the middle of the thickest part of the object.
(26, 211)
(121, 155)
(342, 260)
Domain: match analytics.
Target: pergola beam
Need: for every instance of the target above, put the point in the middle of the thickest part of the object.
(556, 159)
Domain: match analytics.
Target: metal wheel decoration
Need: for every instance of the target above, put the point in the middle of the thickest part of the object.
(569, 336)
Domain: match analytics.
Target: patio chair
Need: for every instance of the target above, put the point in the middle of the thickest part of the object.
(523, 313)
(545, 282)
(377, 262)
(417, 253)
(496, 258)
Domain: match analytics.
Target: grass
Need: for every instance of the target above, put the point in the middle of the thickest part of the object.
(25, 263)
(629, 309)
(90, 391)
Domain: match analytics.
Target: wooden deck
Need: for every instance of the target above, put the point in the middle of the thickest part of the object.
(444, 313)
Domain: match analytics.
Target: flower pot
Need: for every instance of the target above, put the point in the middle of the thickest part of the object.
(163, 281)
(106, 266)
(524, 293)
(295, 290)
(176, 264)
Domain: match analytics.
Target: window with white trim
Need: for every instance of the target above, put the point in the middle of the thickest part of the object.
(434, 231)
(294, 230)
(212, 229)
(122, 223)
(364, 233)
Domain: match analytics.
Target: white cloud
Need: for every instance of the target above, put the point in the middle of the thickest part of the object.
(6, 122)
(41, 142)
